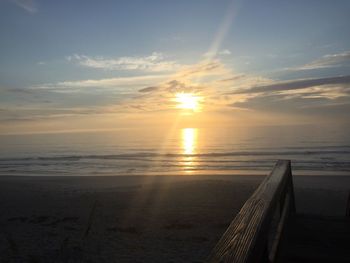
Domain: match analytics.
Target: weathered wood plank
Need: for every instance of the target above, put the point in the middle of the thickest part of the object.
(245, 240)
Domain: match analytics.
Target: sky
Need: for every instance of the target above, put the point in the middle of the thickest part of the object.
(85, 65)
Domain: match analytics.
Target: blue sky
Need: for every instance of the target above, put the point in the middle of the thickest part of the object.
(62, 60)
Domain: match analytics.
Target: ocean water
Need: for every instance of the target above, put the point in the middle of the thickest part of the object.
(183, 151)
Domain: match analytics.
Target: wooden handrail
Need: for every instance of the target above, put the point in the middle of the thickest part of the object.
(254, 234)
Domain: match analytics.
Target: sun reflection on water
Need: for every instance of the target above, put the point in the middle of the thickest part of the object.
(189, 143)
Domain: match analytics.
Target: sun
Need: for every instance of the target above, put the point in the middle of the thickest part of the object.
(187, 101)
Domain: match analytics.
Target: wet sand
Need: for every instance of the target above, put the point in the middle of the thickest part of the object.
(136, 218)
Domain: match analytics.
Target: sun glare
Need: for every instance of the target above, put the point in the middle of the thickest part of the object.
(189, 138)
(187, 101)
(189, 141)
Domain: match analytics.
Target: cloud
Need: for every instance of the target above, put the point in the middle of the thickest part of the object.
(112, 98)
(208, 80)
(327, 61)
(294, 85)
(233, 78)
(149, 89)
(28, 5)
(18, 90)
(201, 71)
(224, 52)
(155, 62)
(146, 93)
(33, 113)
(222, 90)
(301, 104)
(161, 96)
(322, 96)
(122, 84)
(190, 78)
(212, 54)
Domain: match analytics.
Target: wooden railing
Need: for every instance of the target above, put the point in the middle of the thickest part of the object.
(254, 234)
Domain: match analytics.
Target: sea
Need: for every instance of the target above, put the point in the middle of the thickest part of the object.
(177, 151)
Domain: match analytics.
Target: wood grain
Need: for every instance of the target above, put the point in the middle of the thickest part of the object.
(246, 239)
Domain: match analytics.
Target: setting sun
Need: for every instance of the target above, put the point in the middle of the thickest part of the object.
(187, 101)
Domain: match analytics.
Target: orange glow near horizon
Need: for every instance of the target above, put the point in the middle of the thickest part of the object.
(188, 101)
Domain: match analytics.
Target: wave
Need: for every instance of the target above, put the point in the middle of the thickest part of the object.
(146, 155)
(325, 158)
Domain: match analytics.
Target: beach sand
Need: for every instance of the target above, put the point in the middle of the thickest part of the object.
(136, 218)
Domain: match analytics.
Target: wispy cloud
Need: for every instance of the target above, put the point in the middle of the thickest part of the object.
(122, 84)
(32, 113)
(28, 5)
(214, 53)
(221, 89)
(294, 85)
(203, 71)
(208, 80)
(132, 94)
(316, 96)
(148, 89)
(327, 61)
(156, 62)
(301, 103)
